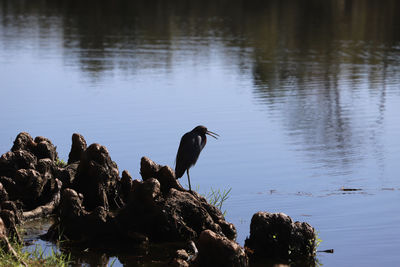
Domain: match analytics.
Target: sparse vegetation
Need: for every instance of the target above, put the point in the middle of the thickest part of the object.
(35, 257)
(217, 197)
(61, 163)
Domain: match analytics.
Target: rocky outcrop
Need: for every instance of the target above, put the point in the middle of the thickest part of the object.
(13, 161)
(276, 236)
(155, 210)
(27, 173)
(97, 178)
(77, 148)
(28, 187)
(41, 147)
(97, 208)
(217, 250)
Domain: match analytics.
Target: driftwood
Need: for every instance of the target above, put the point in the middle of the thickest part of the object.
(46, 209)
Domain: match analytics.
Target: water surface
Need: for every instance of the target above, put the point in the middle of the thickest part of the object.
(305, 97)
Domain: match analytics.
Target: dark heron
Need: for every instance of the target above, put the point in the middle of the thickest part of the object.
(189, 150)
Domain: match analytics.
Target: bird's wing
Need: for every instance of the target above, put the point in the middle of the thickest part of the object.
(188, 153)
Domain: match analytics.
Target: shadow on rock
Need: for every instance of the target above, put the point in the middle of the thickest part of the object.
(28, 174)
(276, 236)
(97, 178)
(157, 208)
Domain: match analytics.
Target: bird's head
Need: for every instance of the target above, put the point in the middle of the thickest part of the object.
(203, 130)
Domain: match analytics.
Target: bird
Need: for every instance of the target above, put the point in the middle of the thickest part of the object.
(192, 143)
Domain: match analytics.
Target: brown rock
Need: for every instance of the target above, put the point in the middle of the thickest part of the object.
(10, 187)
(23, 141)
(126, 185)
(45, 165)
(148, 168)
(175, 216)
(217, 250)
(41, 147)
(155, 210)
(67, 174)
(44, 149)
(3, 193)
(164, 174)
(30, 184)
(176, 262)
(71, 204)
(11, 162)
(275, 236)
(97, 178)
(182, 254)
(77, 148)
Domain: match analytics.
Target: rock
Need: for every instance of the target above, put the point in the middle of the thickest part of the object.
(191, 248)
(171, 216)
(41, 147)
(23, 141)
(77, 148)
(45, 149)
(45, 165)
(92, 228)
(97, 179)
(182, 254)
(67, 174)
(148, 192)
(176, 262)
(164, 174)
(27, 171)
(98, 209)
(31, 186)
(10, 187)
(275, 236)
(304, 242)
(71, 204)
(154, 210)
(11, 162)
(3, 193)
(47, 208)
(70, 216)
(180, 259)
(217, 250)
(126, 185)
(148, 168)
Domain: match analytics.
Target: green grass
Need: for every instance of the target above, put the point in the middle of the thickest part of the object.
(61, 163)
(35, 257)
(217, 197)
(317, 241)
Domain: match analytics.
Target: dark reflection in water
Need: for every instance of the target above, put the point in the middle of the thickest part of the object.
(103, 35)
(297, 90)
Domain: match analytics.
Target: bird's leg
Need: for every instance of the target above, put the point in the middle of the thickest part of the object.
(190, 188)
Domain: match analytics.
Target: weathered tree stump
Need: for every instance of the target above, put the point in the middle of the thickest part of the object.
(276, 236)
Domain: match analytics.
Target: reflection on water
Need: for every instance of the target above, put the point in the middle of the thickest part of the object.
(305, 96)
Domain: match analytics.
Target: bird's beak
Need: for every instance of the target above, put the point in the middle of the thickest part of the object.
(212, 134)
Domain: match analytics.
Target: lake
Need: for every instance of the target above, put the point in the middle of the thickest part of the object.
(305, 96)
